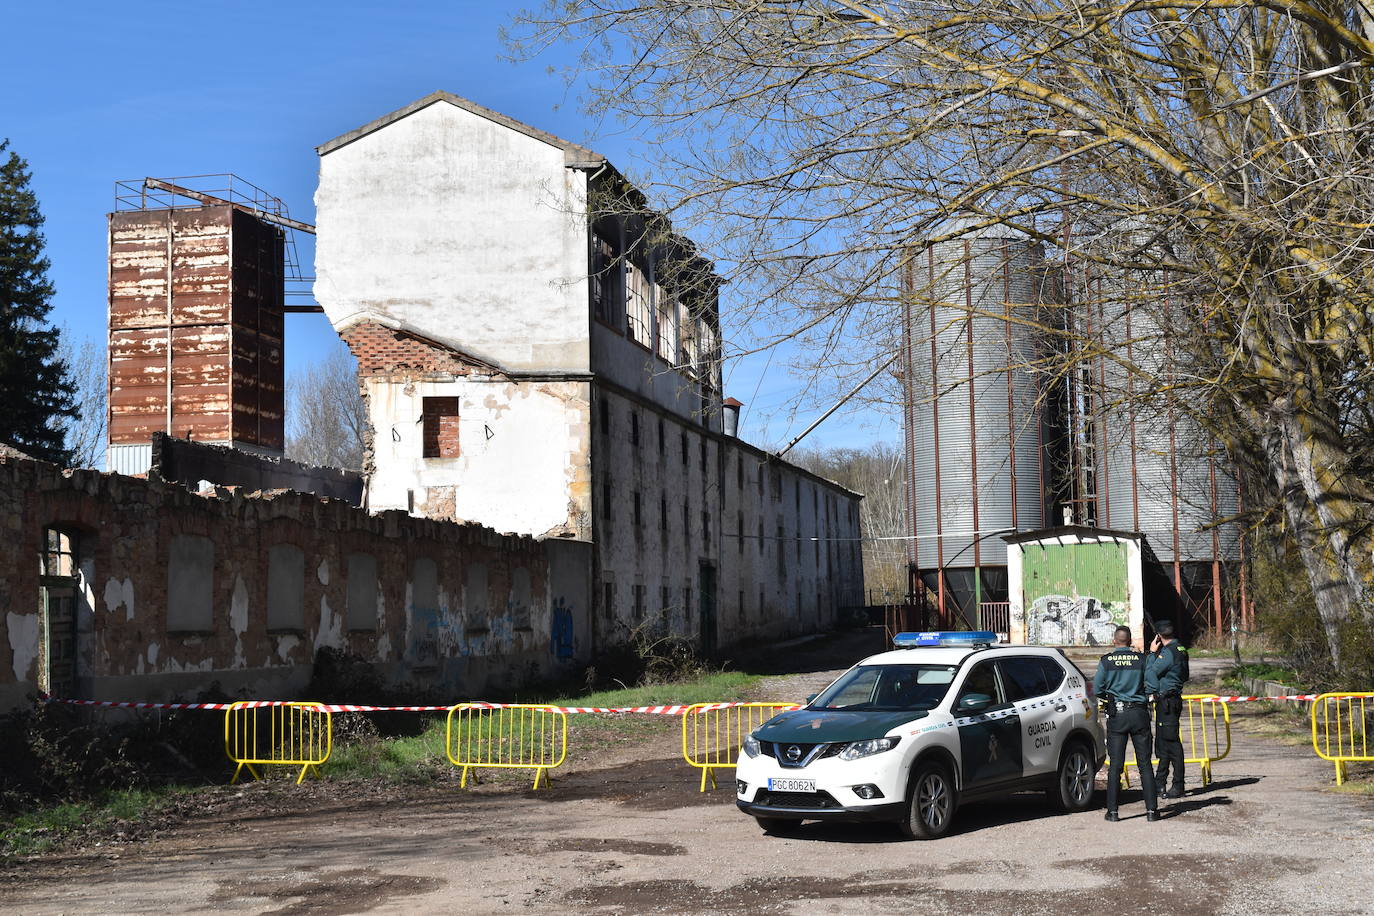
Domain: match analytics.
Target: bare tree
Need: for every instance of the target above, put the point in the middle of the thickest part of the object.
(878, 472)
(1211, 159)
(326, 416)
(85, 434)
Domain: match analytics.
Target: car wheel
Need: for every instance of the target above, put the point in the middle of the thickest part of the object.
(777, 824)
(930, 807)
(1073, 790)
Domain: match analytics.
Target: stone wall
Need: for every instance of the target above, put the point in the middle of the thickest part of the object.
(178, 593)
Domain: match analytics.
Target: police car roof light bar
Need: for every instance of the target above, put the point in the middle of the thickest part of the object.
(944, 638)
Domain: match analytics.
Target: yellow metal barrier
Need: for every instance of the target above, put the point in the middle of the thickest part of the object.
(529, 737)
(712, 734)
(288, 734)
(1206, 735)
(1340, 729)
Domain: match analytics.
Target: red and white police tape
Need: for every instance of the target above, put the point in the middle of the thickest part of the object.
(1308, 697)
(676, 709)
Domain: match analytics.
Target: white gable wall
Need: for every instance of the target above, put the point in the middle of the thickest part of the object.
(462, 230)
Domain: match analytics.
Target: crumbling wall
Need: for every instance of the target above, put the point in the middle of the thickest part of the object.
(510, 453)
(188, 592)
(189, 462)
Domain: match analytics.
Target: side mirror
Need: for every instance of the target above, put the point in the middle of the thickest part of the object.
(974, 702)
(811, 697)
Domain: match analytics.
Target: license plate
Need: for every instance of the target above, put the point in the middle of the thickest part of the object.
(791, 785)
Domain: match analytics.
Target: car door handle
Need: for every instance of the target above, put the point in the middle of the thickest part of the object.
(1061, 708)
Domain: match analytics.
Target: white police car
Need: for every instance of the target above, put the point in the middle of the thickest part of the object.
(908, 735)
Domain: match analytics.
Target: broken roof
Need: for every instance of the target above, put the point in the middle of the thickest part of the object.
(574, 156)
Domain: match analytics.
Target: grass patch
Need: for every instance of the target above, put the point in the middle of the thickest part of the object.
(421, 758)
(1262, 671)
(46, 828)
(412, 758)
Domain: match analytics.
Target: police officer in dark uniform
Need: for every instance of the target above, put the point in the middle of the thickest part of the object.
(1124, 683)
(1168, 662)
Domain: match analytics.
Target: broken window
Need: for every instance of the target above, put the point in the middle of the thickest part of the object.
(634, 426)
(639, 602)
(662, 437)
(637, 304)
(739, 474)
(60, 592)
(608, 598)
(190, 580)
(687, 353)
(684, 449)
(605, 281)
(663, 514)
(440, 418)
(777, 485)
(703, 454)
(285, 588)
(666, 312)
(760, 538)
(739, 524)
(59, 553)
(638, 506)
(782, 556)
(706, 530)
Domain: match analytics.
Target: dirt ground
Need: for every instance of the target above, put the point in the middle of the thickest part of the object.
(631, 834)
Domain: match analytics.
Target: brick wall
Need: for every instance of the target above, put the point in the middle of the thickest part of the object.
(480, 635)
(383, 351)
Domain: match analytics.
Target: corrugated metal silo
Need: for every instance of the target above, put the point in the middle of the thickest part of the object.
(1159, 472)
(975, 463)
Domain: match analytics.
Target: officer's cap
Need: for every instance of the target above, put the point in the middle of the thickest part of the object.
(1164, 627)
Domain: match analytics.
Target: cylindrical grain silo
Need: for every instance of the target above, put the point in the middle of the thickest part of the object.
(975, 464)
(1158, 471)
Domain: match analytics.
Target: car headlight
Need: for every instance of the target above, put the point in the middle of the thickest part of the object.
(751, 746)
(856, 749)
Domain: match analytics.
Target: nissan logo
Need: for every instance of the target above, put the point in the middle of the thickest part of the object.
(793, 753)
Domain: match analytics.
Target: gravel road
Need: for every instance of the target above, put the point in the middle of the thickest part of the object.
(630, 834)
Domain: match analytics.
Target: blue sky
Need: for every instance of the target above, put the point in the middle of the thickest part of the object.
(98, 92)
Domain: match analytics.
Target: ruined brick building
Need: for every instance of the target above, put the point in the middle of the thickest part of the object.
(528, 368)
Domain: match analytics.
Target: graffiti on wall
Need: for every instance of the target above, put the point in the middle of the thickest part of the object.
(561, 630)
(1063, 620)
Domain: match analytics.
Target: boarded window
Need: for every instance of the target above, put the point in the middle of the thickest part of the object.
(475, 599)
(441, 427)
(362, 591)
(190, 584)
(520, 598)
(285, 588)
(424, 586)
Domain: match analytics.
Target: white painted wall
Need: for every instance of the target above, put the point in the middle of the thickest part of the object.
(522, 464)
(461, 229)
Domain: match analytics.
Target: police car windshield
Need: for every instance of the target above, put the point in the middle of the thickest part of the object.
(888, 687)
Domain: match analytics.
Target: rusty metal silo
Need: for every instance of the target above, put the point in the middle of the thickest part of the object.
(974, 437)
(196, 286)
(1158, 471)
